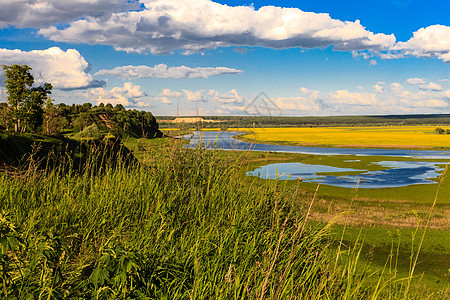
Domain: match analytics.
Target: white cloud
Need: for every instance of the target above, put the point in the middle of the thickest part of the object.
(129, 95)
(447, 94)
(397, 87)
(373, 62)
(383, 98)
(312, 94)
(63, 69)
(166, 96)
(391, 98)
(299, 104)
(346, 97)
(162, 71)
(196, 96)
(431, 86)
(431, 41)
(414, 81)
(378, 88)
(427, 103)
(41, 13)
(193, 26)
(232, 97)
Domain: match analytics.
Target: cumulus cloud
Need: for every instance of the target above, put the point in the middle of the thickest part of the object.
(42, 13)
(166, 96)
(447, 94)
(232, 97)
(129, 95)
(196, 96)
(193, 26)
(431, 41)
(431, 86)
(397, 87)
(162, 71)
(415, 81)
(346, 97)
(394, 98)
(378, 88)
(63, 69)
(299, 103)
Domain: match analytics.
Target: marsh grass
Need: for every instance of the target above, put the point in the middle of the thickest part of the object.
(183, 225)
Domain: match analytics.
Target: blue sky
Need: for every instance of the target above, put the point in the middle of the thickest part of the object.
(214, 57)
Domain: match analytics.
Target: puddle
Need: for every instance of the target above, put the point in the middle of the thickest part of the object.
(400, 173)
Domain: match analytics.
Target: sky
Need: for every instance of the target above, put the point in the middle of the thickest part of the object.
(188, 57)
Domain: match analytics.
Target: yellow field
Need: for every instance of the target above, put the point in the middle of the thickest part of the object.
(423, 137)
(203, 129)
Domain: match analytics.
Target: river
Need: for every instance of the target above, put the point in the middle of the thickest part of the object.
(392, 173)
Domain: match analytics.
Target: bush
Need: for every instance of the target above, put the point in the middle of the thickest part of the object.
(90, 132)
(439, 130)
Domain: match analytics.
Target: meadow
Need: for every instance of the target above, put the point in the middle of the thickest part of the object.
(180, 224)
(410, 137)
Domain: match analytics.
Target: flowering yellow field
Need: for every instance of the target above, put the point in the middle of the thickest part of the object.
(376, 137)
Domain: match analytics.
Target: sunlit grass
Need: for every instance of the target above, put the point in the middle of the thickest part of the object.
(182, 226)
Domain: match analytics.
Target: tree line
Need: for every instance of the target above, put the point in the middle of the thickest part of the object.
(29, 108)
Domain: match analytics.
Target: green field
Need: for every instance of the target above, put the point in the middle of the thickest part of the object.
(189, 224)
(381, 217)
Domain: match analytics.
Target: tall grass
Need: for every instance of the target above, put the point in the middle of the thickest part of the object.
(182, 226)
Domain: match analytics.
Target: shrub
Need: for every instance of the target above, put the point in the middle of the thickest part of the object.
(90, 132)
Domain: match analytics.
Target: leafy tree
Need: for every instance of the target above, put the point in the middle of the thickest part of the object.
(4, 117)
(25, 101)
(54, 120)
(90, 132)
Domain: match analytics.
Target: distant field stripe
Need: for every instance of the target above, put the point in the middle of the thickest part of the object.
(389, 136)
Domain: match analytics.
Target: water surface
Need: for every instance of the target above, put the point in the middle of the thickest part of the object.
(398, 174)
(225, 141)
(391, 174)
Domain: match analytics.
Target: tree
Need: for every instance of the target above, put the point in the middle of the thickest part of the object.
(54, 120)
(25, 101)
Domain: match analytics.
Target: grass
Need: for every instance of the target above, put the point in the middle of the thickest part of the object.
(410, 137)
(418, 194)
(379, 216)
(183, 225)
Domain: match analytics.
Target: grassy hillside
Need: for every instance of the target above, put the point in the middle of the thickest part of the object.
(20, 152)
(182, 226)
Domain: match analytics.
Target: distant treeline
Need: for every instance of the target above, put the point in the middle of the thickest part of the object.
(62, 118)
(278, 121)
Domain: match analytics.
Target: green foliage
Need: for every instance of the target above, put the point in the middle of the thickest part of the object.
(54, 120)
(115, 120)
(90, 132)
(25, 102)
(26, 154)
